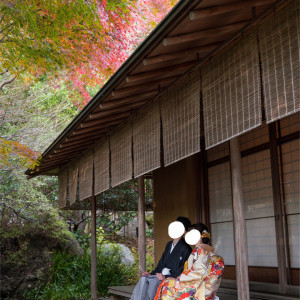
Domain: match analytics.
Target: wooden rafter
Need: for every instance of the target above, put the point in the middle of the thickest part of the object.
(105, 120)
(179, 54)
(213, 32)
(132, 99)
(57, 156)
(92, 135)
(163, 72)
(79, 141)
(110, 111)
(217, 10)
(73, 148)
(80, 131)
(143, 87)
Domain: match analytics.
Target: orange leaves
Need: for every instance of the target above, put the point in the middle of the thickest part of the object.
(13, 153)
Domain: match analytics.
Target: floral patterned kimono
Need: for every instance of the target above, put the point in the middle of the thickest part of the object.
(199, 282)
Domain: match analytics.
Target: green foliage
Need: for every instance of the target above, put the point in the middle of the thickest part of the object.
(71, 276)
(150, 223)
(83, 239)
(33, 116)
(124, 197)
(111, 223)
(25, 209)
(150, 263)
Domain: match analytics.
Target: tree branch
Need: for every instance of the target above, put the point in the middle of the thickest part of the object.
(18, 214)
(7, 27)
(5, 71)
(5, 82)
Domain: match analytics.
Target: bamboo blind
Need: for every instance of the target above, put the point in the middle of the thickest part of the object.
(180, 113)
(231, 92)
(86, 175)
(146, 141)
(121, 156)
(279, 43)
(101, 166)
(73, 181)
(62, 188)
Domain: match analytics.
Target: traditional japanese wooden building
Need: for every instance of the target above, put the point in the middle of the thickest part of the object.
(209, 106)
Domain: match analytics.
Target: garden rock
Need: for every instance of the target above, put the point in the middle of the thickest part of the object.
(27, 262)
(126, 255)
(73, 247)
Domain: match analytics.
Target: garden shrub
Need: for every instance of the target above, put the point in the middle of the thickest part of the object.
(70, 276)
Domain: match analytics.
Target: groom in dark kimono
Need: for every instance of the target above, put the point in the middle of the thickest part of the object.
(171, 264)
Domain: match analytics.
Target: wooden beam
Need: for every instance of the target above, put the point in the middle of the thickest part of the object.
(132, 99)
(55, 161)
(93, 243)
(79, 141)
(93, 129)
(203, 214)
(84, 132)
(105, 120)
(128, 107)
(214, 32)
(240, 235)
(89, 125)
(79, 137)
(142, 227)
(46, 172)
(49, 164)
(165, 72)
(73, 148)
(216, 10)
(59, 156)
(136, 89)
(279, 230)
(179, 54)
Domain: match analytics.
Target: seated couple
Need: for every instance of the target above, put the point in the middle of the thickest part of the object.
(168, 281)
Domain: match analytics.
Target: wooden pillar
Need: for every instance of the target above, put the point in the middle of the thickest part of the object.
(142, 228)
(93, 245)
(281, 255)
(241, 258)
(203, 214)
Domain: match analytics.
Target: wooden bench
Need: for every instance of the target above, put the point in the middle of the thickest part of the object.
(120, 292)
(224, 293)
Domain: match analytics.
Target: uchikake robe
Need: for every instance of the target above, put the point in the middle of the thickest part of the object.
(199, 282)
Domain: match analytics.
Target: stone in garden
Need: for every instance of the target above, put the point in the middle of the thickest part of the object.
(125, 253)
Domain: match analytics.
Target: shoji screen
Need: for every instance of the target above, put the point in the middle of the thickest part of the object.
(220, 203)
(290, 183)
(258, 200)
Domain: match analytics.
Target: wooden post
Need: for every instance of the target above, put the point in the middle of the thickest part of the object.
(93, 245)
(203, 183)
(241, 258)
(142, 228)
(281, 255)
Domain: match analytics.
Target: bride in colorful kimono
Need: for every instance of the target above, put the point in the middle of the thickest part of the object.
(203, 276)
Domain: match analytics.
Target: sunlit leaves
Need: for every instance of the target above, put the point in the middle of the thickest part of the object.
(83, 42)
(15, 153)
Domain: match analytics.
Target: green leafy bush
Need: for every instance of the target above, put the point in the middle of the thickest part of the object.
(150, 264)
(70, 276)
